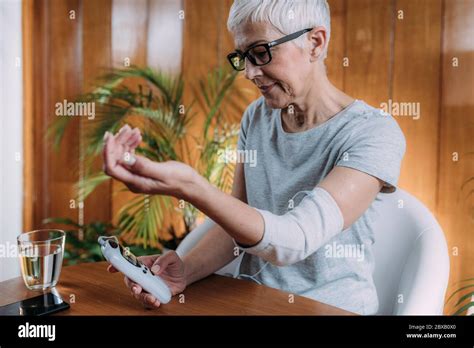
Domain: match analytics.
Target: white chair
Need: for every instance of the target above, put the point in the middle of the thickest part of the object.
(411, 256)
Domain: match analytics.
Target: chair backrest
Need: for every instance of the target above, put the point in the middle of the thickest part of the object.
(411, 257)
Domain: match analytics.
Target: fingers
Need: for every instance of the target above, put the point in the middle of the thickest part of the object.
(108, 151)
(115, 145)
(112, 269)
(106, 135)
(118, 149)
(134, 139)
(105, 150)
(133, 287)
(113, 167)
(117, 171)
(148, 260)
(128, 138)
(138, 173)
(148, 300)
(138, 141)
(164, 261)
(139, 294)
(124, 133)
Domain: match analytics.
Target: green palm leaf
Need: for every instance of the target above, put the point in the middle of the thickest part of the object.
(153, 101)
(459, 290)
(143, 217)
(89, 184)
(464, 308)
(464, 297)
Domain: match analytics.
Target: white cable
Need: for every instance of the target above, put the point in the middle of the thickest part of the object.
(252, 277)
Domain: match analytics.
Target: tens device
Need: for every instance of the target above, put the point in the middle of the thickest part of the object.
(127, 263)
(47, 303)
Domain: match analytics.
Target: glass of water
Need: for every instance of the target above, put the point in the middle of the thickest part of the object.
(41, 254)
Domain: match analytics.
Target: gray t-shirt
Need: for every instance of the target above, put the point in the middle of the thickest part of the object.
(287, 164)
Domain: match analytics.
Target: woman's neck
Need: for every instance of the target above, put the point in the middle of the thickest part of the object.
(319, 104)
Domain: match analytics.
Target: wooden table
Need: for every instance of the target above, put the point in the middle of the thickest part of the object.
(91, 290)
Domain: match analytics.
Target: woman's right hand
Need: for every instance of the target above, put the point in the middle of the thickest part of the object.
(168, 266)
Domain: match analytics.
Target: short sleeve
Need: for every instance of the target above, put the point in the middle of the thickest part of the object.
(376, 146)
(244, 126)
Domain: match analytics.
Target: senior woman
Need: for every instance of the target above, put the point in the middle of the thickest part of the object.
(323, 158)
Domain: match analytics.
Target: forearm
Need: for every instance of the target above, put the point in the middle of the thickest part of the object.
(239, 220)
(211, 253)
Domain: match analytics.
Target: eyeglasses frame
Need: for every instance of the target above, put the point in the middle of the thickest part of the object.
(267, 47)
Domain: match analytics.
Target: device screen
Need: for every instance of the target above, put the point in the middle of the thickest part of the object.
(39, 305)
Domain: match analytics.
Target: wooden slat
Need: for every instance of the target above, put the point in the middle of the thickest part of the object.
(455, 207)
(199, 55)
(35, 58)
(202, 47)
(201, 35)
(40, 83)
(29, 24)
(64, 68)
(336, 52)
(368, 28)
(129, 40)
(96, 53)
(416, 80)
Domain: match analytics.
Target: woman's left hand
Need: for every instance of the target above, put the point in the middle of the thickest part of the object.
(141, 175)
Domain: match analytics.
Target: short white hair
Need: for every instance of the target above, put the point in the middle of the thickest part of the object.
(287, 16)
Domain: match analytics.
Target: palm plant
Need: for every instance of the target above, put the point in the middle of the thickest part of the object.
(461, 305)
(153, 102)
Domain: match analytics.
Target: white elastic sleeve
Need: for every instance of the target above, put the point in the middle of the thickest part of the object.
(294, 236)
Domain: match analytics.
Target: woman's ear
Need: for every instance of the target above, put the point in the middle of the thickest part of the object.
(317, 38)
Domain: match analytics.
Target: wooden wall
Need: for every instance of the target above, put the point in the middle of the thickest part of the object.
(402, 50)
(454, 206)
(423, 54)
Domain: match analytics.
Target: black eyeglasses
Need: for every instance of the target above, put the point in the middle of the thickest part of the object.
(260, 54)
